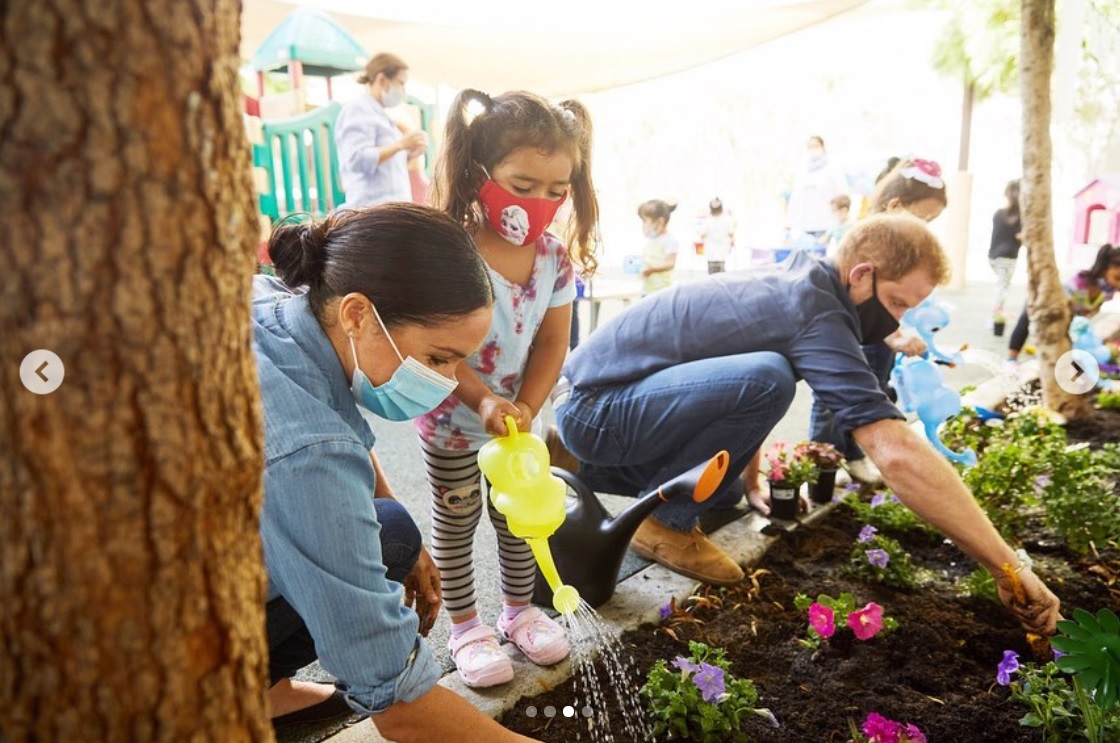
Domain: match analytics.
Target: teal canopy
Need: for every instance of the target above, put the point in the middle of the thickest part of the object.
(312, 37)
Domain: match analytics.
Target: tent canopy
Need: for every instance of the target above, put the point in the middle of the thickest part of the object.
(578, 46)
(323, 46)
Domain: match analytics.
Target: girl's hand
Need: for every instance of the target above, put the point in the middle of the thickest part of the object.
(909, 346)
(525, 416)
(493, 411)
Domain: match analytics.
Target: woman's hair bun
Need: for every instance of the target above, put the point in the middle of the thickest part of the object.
(299, 252)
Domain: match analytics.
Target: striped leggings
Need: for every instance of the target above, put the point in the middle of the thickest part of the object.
(457, 497)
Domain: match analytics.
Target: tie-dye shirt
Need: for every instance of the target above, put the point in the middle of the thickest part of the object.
(500, 361)
(1078, 286)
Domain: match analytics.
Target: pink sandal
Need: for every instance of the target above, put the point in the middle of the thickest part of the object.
(541, 639)
(480, 659)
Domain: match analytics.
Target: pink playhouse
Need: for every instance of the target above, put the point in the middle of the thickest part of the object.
(1096, 217)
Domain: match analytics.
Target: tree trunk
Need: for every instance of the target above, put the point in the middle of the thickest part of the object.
(131, 587)
(966, 125)
(1049, 306)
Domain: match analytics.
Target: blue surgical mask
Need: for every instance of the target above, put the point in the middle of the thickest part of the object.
(412, 391)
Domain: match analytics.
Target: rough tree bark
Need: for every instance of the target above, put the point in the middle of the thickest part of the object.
(131, 585)
(1049, 306)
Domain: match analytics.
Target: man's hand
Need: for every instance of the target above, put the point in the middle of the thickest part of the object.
(423, 591)
(1032, 603)
(909, 346)
(493, 411)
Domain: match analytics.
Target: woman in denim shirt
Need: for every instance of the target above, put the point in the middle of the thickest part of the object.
(389, 301)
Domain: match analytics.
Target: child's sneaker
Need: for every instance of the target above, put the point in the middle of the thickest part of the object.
(480, 659)
(541, 639)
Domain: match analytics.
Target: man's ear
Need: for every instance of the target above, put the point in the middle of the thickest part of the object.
(859, 273)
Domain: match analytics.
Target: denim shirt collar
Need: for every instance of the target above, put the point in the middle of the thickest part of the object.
(296, 317)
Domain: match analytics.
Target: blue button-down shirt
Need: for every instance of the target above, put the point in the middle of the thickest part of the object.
(362, 130)
(321, 537)
(801, 311)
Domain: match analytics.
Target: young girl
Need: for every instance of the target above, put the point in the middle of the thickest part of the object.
(660, 253)
(503, 174)
(1087, 291)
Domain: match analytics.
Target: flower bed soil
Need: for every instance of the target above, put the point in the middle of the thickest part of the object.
(936, 670)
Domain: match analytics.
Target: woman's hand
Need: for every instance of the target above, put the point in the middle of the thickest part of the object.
(493, 411)
(414, 143)
(423, 591)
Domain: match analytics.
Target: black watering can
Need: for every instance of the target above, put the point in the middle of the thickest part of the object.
(589, 546)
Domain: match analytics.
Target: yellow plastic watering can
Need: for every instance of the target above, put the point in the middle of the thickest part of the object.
(524, 490)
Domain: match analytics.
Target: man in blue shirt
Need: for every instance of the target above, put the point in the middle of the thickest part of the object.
(712, 365)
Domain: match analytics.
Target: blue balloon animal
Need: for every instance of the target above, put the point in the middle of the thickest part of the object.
(927, 318)
(921, 390)
(1086, 339)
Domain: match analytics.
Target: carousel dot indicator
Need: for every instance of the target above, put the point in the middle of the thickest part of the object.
(569, 711)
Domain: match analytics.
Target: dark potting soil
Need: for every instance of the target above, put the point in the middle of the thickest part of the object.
(1102, 427)
(937, 670)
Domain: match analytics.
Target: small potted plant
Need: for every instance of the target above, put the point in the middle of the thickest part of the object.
(999, 323)
(826, 458)
(788, 472)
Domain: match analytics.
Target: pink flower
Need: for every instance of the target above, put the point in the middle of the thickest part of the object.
(866, 622)
(911, 734)
(822, 619)
(879, 729)
(929, 167)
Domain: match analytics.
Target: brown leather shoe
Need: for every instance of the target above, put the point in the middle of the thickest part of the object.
(558, 455)
(686, 552)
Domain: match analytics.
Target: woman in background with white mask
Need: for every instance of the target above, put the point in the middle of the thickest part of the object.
(373, 152)
(389, 301)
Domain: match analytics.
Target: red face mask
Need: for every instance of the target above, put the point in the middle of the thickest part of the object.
(518, 219)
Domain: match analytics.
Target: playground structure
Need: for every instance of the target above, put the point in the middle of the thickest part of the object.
(295, 160)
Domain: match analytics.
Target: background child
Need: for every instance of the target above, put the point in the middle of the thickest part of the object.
(1003, 254)
(1087, 291)
(659, 256)
(842, 213)
(718, 234)
(504, 174)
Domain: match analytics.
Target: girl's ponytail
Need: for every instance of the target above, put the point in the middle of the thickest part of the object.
(457, 176)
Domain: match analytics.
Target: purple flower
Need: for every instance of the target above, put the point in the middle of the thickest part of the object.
(1057, 653)
(866, 533)
(666, 610)
(1007, 666)
(710, 682)
(894, 498)
(853, 487)
(878, 558)
(878, 499)
(1041, 482)
(684, 664)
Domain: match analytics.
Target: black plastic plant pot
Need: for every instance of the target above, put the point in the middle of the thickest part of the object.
(997, 328)
(821, 491)
(783, 501)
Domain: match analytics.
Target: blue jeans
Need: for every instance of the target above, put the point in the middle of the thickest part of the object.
(822, 424)
(630, 438)
(290, 646)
